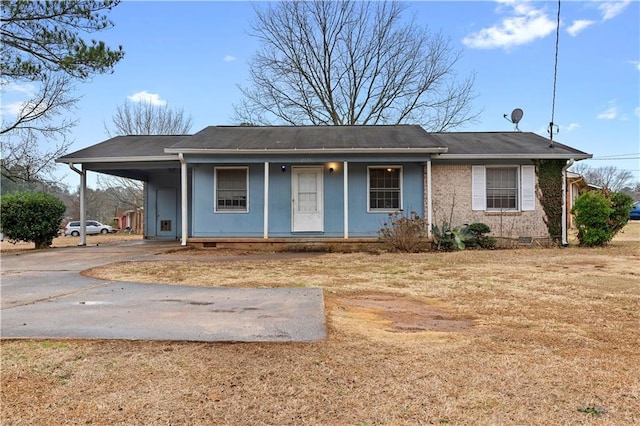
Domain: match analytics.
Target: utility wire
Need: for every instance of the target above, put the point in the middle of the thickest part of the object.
(555, 81)
(614, 156)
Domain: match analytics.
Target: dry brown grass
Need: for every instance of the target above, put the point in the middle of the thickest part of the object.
(535, 336)
(8, 247)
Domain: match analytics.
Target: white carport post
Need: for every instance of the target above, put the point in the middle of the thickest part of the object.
(345, 183)
(266, 200)
(184, 210)
(429, 199)
(83, 210)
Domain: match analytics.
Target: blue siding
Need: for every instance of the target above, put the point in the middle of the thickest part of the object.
(280, 196)
(363, 223)
(156, 182)
(206, 222)
(279, 201)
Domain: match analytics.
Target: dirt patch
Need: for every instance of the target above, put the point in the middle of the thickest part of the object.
(400, 314)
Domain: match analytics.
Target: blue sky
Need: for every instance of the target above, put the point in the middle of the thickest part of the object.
(193, 55)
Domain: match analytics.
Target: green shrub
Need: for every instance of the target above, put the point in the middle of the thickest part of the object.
(600, 215)
(478, 238)
(447, 238)
(621, 204)
(405, 233)
(31, 217)
(550, 194)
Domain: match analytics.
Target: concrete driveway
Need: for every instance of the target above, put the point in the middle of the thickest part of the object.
(44, 296)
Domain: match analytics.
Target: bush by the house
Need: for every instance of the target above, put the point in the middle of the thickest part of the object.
(621, 204)
(478, 238)
(405, 233)
(599, 216)
(31, 217)
(446, 238)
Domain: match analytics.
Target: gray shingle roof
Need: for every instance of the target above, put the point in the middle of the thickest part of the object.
(307, 137)
(503, 145)
(124, 147)
(240, 139)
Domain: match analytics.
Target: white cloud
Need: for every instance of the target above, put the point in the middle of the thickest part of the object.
(17, 91)
(637, 111)
(608, 9)
(635, 64)
(229, 58)
(17, 108)
(524, 25)
(611, 9)
(12, 108)
(578, 26)
(10, 86)
(571, 126)
(148, 98)
(610, 113)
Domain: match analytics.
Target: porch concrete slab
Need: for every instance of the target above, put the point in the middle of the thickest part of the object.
(118, 310)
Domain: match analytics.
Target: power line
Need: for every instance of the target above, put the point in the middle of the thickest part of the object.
(631, 156)
(555, 81)
(615, 159)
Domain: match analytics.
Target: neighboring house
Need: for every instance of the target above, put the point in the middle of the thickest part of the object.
(576, 186)
(327, 183)
(131, 219)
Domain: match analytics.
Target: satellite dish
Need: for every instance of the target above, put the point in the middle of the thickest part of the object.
(516, 116)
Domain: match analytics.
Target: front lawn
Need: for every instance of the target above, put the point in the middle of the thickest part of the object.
(527, 336)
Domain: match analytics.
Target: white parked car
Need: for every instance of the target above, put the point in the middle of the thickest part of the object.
(93, 227)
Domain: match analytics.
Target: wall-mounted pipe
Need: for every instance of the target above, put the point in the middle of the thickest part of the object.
(565, 217)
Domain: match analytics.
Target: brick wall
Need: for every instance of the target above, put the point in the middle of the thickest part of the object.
(451, 189)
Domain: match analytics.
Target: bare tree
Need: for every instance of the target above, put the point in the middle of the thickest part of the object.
(607, 177)
(148, 119)
(43, 47)
(123, 192)
(140, 119)
(25, 156)
(38, 115)
(635, 191)
(25, 159)
(351, 62)
(99, 205)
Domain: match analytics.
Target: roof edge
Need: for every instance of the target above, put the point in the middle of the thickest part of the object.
(568, 156)
(432, 150)
(72, 160)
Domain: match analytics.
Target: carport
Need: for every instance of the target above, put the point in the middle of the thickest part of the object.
(132, 157)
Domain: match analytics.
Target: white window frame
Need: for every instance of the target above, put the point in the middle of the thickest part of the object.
(400, 189)
(215, 189)
(525, 191)
(517, 189)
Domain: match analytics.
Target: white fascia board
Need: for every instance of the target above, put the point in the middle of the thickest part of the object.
(436, 150)
(117, 159)
(512, 156)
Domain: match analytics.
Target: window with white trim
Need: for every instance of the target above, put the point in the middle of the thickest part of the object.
(231, 189)
(503, 188)
(384, 188)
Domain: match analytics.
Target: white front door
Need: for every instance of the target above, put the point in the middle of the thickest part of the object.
(307, 199)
